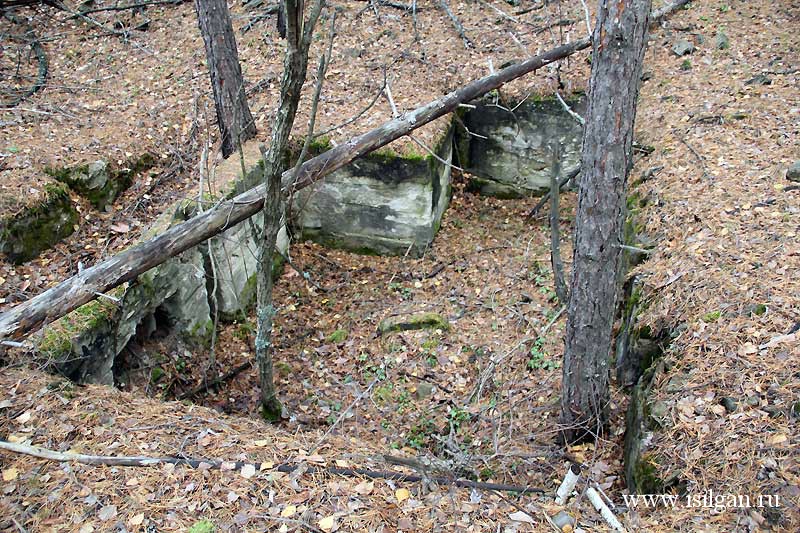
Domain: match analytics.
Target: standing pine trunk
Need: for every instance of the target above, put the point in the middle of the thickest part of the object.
(617, 53)
(235, 122)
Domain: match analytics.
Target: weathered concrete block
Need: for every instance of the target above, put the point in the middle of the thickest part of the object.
(383, 203)
(508, 154)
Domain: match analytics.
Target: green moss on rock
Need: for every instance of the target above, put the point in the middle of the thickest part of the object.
(99, 182)
(25, 235)
(417, 321)
(56, 344)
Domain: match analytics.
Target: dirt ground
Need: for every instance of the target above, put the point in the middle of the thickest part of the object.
(479, 399)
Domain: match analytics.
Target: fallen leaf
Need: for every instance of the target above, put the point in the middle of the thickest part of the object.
(24, 417)
(365, 487)
(289, 511)
(780, 438)
(120, 228)
(327, 523)
(137, 519)
(10, 474)
(519, 516)
(261, 443)
(248, 471)
(107, 513)
(401, 495)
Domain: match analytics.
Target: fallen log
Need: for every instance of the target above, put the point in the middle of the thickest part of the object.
(83, 287)
(70, 294)
(286, 468)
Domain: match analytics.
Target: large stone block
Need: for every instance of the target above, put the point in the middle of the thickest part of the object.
(383, 203)
(508, 153)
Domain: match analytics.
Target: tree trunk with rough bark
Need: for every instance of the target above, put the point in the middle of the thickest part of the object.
(618, 50)
(235, 122)
(298, 41)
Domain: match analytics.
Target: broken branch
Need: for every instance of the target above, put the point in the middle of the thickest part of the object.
(110, 460)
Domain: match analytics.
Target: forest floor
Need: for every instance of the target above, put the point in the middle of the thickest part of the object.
(480, 398)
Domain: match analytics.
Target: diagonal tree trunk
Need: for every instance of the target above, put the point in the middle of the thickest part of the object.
(617, 54)
(235, 122)
(85, 286)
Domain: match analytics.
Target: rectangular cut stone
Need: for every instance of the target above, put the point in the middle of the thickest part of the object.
(508, 154)
(382, 204)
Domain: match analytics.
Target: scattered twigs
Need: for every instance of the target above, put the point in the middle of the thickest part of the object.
(529, 9)
(635, 249)
(264, 14)
(343, 414)
(457, 25)
(75, 14)
(499, 11)
(387, 90)
(128, 6)
(357, 115)
(561, 183)
(207, 385)
(700, 160)
(286, 468)
(557, 24)
(579, 119)
(587, 18)
(657, 16)
(41, 58)
(397, 5)
(562, 292)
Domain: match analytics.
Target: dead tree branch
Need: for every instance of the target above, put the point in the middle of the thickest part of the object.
(110, 460)
(457, 24)
(41, 58)
(561, 184)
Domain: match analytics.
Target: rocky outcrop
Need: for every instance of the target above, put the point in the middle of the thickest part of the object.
(384, 203)
(507, 152)
(179, 296)
(101, 182)
(35, 228)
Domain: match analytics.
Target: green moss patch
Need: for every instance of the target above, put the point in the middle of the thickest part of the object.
(99, 182)
(56, 343)
(24, 235)
(417, 321)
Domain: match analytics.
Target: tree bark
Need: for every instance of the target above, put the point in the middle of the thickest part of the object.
(235, 122)
(298, 41)
(618, 50)
(562, 292)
